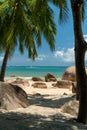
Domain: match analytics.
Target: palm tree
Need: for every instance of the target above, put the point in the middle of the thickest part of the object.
(77, 7)
(21, 25)
(80, 50)
(8, 48)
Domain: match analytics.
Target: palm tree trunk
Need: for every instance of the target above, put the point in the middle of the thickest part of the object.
(4, 63)
(80, 50)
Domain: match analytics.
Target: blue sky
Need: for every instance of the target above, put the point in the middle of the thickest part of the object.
(64, 52)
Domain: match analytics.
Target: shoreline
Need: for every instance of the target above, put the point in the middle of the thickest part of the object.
(48, 107)
(37, 71)
(30, 77)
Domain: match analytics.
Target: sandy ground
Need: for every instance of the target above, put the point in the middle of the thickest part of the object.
(43, 113)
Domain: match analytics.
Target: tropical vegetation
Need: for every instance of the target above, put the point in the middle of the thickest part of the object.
(22, 24)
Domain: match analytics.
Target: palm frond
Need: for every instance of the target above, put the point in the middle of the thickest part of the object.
(63, 9)
(3, 5)
(27, 20)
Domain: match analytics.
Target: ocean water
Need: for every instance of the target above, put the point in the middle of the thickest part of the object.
(34, 71)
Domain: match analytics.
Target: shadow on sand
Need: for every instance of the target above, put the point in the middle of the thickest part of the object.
(21, 121)
(55, 102)
(16, 121)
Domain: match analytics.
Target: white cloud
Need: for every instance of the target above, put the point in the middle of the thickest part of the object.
(85, 36)
(59, 53)
(86, 56)
(1, 58)
(40, 57)
(66, 56)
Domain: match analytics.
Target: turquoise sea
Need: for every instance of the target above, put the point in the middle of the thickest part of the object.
(34, 71)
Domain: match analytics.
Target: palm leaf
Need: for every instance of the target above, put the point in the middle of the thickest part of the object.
(3, 5)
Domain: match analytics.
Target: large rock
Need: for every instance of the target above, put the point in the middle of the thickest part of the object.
(39, 85)
(69, 74)
(63, 84)
(12, 97)
(71, 107)
(21, 82)
(49, 77)
(36, 79)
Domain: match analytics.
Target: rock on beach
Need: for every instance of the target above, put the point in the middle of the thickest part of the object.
(12, 97)
(39, 85)
(63, 84)
(69, 74)
(49, 77)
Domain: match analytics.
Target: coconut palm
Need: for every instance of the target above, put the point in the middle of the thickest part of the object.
(9, 47)
(21, 25)
(78, 11)
(80, 50)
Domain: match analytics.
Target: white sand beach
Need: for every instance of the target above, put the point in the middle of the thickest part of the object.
(45, 110)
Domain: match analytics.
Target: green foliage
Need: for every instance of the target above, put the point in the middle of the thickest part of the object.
(3, 6)
(63, 9)
(45, 19)
(23, 23)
